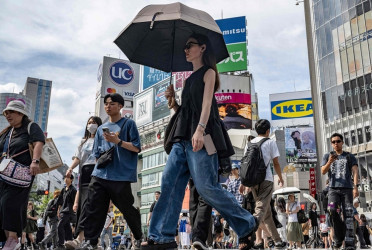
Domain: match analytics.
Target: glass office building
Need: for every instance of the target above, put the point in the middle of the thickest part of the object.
(339, 36)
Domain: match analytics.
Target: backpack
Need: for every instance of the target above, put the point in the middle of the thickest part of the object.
(253, 167)
(53, 208)
(301, 217)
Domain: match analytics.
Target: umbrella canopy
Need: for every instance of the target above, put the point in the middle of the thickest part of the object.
(157, 35)
(287, 190)
(311, 199)
(239, 137)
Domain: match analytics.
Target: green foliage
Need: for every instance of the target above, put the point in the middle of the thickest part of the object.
(44, 203)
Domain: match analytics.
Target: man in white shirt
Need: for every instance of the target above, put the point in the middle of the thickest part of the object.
(262, 192)
(107, 229)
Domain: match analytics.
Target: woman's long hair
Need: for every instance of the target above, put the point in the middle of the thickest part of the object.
(363, 218)
(25, 122)
(209, 59)
(281, 204)
(87, 134)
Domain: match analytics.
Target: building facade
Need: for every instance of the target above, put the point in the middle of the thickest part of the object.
(5, 98)
(340, 53)
(39, 91)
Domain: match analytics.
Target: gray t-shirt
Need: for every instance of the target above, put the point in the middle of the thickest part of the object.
(340, 171)
(84, 153)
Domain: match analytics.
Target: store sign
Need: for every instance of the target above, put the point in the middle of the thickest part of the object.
(237, 59)
(121, 73)
(289, 109)
(235, 36)
(233, 29)
(152, 139)
(152, 76)
(143, 108)
(300, 146)
(312, 182)
(233, 98)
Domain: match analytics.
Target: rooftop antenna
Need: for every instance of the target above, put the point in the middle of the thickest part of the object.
(221, 14)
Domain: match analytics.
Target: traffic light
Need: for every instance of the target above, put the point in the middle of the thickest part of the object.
(42, 192)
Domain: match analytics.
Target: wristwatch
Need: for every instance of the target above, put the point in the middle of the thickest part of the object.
(119, 143)
(35, 161)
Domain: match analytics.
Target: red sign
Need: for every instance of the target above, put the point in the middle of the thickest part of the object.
(312, 182)
(233, 98)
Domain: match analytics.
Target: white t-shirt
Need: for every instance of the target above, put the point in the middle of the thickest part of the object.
(109, 217)
(292, 207)
(269, 151)
(323, 227)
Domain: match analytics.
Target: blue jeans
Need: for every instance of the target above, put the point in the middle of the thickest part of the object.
(107, 231)
(203, 168)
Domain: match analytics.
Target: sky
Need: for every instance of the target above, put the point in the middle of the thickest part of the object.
(65, 41)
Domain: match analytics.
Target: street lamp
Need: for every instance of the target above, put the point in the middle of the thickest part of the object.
(298, 2)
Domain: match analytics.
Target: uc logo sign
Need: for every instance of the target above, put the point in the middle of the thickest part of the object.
(121, 73)
(292, 109)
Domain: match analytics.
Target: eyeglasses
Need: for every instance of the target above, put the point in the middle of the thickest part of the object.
(337, 141)
(189, 45)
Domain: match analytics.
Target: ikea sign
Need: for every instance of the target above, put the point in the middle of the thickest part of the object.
(289, 109)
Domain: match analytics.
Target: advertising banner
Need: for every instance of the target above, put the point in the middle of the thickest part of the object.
(160, 105)
(235, 110)
(143, 107)
(300, 145)
(152, 76)
(235, 36)
(289, 109)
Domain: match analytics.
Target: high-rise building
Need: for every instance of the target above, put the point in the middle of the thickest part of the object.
(5, 98)
(39, 91)
(340, 53)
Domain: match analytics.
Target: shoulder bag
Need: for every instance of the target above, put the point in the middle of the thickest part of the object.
(11, 171)
(107, 156)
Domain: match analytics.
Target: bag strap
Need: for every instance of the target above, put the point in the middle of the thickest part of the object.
(7, 143)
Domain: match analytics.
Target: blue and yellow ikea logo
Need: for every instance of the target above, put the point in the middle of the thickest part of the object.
(289, 109)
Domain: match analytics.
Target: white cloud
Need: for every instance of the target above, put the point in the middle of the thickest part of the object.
(64, 41)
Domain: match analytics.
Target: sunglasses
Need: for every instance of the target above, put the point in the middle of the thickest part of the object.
(337, 141)
(189, 45)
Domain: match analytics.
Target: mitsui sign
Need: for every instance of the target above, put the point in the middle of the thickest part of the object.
(234, 34)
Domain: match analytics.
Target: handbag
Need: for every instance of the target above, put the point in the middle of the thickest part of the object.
(13, 172)
(107, 156)
(169, 132)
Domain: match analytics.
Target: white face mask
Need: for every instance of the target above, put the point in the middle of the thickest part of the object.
(92, 128)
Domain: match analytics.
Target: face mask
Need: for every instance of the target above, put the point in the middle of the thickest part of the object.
(92, 128)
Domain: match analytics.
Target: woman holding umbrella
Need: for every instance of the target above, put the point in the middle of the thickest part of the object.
(198, 115)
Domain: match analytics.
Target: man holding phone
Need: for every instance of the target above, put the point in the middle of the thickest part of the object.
(113, 181)
(342, 170)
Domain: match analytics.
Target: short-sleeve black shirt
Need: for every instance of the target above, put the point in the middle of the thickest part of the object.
(313, 216)
(152, 206)
(19, 142)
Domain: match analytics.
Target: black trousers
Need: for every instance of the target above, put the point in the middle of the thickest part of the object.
(100, 193)
(343, 229)
(64, 228)
(200, 215)
(84, 180)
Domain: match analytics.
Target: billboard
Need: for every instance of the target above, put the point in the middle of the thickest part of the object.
(143, 107)
(289, 109)
(152, 76)
(300, 145)
(235, 110)
(160, 105)
(235, 36)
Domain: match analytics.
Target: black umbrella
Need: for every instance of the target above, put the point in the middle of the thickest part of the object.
(157, 35)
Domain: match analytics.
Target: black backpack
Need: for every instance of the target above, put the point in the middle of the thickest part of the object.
(301, 217)
(53, 208)
(253, 167)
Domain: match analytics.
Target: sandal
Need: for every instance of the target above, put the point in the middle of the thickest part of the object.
(247, 242)
(151, 244)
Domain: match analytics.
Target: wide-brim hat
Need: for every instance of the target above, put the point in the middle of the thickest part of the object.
(18, 106)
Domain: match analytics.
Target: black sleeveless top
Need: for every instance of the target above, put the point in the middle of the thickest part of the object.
(189, 117)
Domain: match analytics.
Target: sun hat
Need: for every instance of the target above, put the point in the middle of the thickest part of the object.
(16, 105)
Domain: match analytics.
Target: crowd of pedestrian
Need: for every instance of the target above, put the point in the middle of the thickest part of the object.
(242, 215)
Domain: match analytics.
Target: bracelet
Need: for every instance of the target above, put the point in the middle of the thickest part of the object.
(202, 125)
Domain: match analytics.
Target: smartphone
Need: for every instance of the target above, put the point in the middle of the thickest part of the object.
(106, 130)
(334, 153)
(209, 145)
